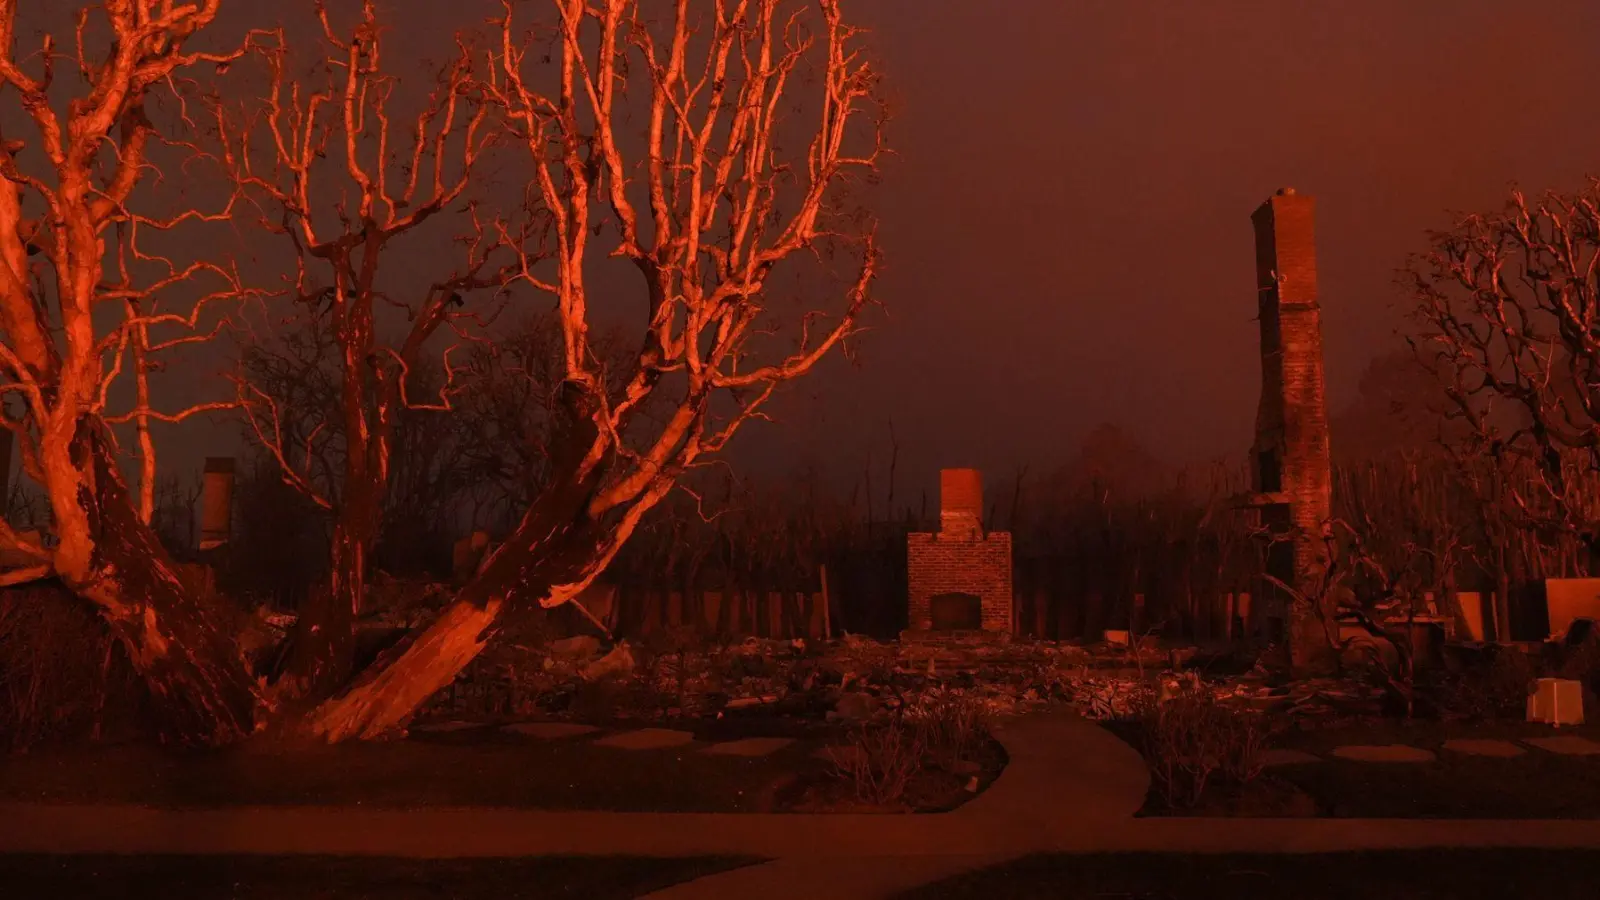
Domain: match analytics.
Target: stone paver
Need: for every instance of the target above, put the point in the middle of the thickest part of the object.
(1384, 753)
(444, 727)
(1483, 747)
(803, 878)
(550, 730)
(750, 747)
(646, 739)
(1285, 757)
(837, 753)
(1566, 745)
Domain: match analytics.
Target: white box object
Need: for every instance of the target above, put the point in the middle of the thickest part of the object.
(1570, 598)
(1558, 701)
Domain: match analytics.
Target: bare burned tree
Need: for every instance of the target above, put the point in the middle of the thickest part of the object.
(703, 200)
(1509, 303)
(340, 217)
(68, 190)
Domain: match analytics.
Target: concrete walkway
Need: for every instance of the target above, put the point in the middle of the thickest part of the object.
(1063, 771)
(1071, 786)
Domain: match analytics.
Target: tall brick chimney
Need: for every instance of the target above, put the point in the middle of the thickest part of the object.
(1290, 468)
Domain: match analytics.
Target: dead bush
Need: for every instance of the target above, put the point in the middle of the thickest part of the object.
(62, 675)
(1581, 664)
(880, 760)
(403, 601)
(952, 727)
(1192, 741)
(1497, 689)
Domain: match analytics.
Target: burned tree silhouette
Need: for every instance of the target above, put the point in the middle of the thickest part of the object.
(706, 207)
(102, 124)
(335, 178)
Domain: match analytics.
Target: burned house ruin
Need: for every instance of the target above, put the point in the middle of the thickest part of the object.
(960, 578)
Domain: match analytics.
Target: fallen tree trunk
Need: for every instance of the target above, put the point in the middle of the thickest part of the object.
(402, 683)
(554, 552)
(184, 646)
(524, 571)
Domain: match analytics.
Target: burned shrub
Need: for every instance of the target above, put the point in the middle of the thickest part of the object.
(63, 677)
(951, 727)
(1193, 741)
(1494, 686)
(932, 743)
(1582, 662)
(880, 760)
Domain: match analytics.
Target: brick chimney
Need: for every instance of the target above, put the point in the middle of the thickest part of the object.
(959, 579)
(1291, 468)
(216, 502)
(960, 504)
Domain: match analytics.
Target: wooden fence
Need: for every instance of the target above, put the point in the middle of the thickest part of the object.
(632, 611)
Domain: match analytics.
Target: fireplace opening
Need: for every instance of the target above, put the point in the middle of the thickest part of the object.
(956, 612)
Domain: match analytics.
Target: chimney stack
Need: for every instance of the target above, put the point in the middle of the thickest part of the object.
(959, 579)
(960, 504)
(1291, 467)
(216, 502)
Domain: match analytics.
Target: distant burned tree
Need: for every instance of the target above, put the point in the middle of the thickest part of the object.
(281, 542)
(1399, 408)
(1411, 514)
(174, 519)
(89, 293)
(345, 181)
(508, 409)
(431, 462)
(705, 151)
(1510, 308)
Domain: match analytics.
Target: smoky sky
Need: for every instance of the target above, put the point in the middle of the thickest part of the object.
(1067, 222)
(1066, 218)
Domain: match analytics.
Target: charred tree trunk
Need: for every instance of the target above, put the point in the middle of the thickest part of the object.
(185, 648)
(324, 638)
(724, 624)
(552, 546)
(556, 544)
(325, 631)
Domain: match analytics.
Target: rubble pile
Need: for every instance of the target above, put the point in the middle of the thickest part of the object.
(856, 679)
(1314, 698)
(852, 679)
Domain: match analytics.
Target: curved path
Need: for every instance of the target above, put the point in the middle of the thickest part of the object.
(1071, 786)
(1063, 771)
